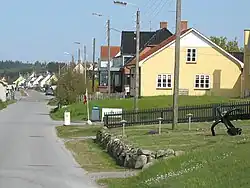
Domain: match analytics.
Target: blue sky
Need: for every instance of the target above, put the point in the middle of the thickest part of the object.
(42, 30)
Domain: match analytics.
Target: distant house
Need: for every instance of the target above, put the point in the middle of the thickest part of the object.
(3, 91)
(44, 80)
(37, 81)
(205, 68)
(103, 65)
(51, 80)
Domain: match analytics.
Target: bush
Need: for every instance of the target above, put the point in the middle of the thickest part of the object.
(2, 105)
(69, 86)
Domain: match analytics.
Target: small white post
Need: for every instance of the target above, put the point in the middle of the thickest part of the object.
(189, 121)
(160, 121)
(123, 127)
(66, 118)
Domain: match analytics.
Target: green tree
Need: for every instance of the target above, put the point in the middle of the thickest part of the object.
(228, 45)
(69, 86)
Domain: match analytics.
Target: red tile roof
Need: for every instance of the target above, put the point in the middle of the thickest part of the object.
(114, 50)
(145, 53)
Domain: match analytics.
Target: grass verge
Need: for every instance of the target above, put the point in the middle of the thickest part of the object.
(23, 93)
(220, 161)
(87, 153)
(91, 157)
(79, 110)
(53, 102)
(77, 131)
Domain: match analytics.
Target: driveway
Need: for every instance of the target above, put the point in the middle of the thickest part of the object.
(31, 156)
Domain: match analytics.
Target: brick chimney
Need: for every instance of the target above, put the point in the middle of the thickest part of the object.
(184, 25)
(163, 25)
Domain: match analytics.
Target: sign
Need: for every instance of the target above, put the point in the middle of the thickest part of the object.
(112, 111)
(66, 118)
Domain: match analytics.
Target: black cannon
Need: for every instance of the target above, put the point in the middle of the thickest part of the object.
(224, 118)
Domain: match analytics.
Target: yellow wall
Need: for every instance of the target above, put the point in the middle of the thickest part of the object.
(246, 71)
(225, 75)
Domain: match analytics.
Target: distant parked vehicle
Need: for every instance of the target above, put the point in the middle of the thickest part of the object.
(50, 92)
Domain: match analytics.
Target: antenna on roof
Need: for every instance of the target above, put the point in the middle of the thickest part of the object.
(150, 25)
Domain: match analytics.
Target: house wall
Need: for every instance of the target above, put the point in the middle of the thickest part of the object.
(246, 70)
(225, 75)
(2, 93)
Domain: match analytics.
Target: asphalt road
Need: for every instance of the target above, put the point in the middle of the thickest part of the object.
(31, 156)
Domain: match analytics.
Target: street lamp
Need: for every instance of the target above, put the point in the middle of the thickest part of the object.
(72, 56)
(137, 51)
(85, 80)
(108, 35)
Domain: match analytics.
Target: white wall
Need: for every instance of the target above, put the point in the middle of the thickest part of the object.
(2, 92)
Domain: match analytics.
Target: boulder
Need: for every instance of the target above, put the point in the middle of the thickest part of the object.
(141, 162)
(179, 153)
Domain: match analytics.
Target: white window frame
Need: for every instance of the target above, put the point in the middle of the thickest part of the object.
(200, 77)
(162, 81)
(191, 55)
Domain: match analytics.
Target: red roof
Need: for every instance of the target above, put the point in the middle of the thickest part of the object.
(144, 54)
(114, 50)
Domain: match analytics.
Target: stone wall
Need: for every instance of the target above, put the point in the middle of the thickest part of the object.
(128, 156)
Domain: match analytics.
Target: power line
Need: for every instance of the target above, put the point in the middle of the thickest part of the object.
(163, 5)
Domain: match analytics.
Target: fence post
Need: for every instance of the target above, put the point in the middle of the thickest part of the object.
(106, 120)
(189, 120)
(123, 127)
(160, 121)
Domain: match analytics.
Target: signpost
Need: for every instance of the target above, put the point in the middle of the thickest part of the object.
(66, 118)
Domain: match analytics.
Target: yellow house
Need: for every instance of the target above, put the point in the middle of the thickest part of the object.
(205, 68)
(52, 79)
(246, 70)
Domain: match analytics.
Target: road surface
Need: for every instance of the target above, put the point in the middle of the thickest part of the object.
(31, 156)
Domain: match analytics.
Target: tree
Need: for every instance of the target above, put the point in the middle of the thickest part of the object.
(70, 85)
(229, 46)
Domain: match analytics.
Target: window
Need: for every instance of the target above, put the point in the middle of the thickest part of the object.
(202, 81)
(164, 81)
(191, 55)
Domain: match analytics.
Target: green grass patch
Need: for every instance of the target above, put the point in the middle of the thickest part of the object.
(23, 93)
(77, 131)
(53, 102)
(220, 161)
(79, 110)
(91, 157)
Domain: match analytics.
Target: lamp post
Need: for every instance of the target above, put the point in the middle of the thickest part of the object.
(85, 79)
(108, 36)
(137, 79)
(72, 57)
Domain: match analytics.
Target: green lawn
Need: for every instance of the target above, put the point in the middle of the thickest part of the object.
(220, 161)
(78, 110)
(5, 104)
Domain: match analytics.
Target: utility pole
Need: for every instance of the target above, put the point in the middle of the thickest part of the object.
(177, 64)
(109, 75)
(85, 65)
(137, 60)
(93, 71)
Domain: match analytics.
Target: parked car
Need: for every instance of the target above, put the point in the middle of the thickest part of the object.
(50, 92)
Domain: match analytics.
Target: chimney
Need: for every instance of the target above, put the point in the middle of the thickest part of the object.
(163, 25)
(184, 25)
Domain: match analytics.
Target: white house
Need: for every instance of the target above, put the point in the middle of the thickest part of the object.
(3, 91)
(45, 79)
(37, 81)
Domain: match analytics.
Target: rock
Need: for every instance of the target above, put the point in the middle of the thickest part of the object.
(144, 152)
(164, 153)
(170, 152)
(141, 162)
(179, 153)
(150, 159)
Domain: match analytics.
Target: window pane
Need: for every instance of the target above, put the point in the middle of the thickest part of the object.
(193, 59)
(189, 50)
(202, 85)
(197, 85)
(207, 81)
(194, 50)
(207, 85)
(159, 81)
(197, 76)
(188, 59)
